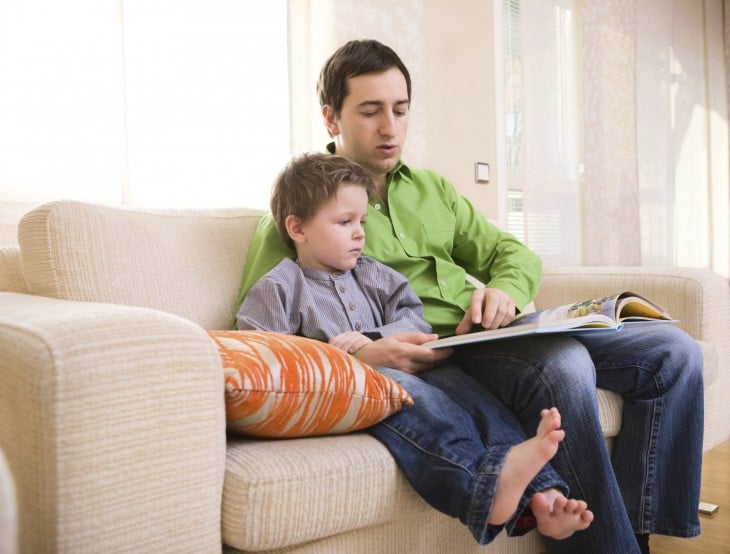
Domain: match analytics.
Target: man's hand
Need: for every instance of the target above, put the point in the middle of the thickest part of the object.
(403, 351)
(350, 341)
(490, 308)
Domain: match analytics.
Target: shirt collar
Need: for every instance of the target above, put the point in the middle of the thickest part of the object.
(399, 168)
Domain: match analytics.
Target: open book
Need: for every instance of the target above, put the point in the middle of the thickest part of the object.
(599, 314)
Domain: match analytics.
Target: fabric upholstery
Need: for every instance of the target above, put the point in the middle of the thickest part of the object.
(112, 417)
(345, 493)
(178, 261)
(112, 421)
(8, 510)
(288, 386)
(11, 273)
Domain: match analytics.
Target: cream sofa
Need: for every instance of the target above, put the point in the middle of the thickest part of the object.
(111, 397)
(8, 510)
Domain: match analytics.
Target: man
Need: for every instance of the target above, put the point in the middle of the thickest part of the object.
(472, 461)
(421, 227)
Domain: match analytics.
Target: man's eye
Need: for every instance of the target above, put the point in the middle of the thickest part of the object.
(369, 114)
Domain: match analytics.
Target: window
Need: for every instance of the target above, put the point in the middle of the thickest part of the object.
(542, 128)
(174, 103)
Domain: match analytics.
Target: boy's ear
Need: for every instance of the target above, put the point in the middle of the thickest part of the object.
(328, 113)
(294, 229)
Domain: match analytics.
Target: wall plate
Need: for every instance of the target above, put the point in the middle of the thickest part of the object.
(481, 172)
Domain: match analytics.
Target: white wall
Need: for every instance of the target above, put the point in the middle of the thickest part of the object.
(461, 122)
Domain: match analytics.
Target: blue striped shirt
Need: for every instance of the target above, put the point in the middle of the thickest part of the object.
(372, 299)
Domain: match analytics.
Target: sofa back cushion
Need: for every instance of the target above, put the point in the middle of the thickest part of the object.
(186, 262)
(11, 274)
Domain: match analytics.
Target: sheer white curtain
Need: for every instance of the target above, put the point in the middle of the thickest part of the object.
(164, 103)
(617, 131)
(683, 134)
(543, 128)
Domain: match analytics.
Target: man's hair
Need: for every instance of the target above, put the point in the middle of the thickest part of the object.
(354, 58)
(307, 182)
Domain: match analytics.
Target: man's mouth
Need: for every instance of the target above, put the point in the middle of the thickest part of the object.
(388, 148)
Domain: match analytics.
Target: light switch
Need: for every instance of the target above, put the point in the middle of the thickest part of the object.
(481, 172)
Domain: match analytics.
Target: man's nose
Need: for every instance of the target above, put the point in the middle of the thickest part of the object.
(387, 125)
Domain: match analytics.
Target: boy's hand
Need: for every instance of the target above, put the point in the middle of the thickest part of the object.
(490, 308)
(403, 351)
(350, 341)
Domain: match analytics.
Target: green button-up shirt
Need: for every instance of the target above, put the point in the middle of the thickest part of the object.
(432, 235)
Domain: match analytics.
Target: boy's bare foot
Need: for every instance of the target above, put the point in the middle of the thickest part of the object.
(559, 517)
(522, 463)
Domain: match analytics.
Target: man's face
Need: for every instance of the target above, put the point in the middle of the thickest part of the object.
(372, 125)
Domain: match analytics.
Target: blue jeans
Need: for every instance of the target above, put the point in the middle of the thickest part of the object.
(651, 481)
(451, 446)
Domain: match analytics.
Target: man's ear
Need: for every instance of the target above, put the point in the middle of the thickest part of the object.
(294, 229)
(330, 120)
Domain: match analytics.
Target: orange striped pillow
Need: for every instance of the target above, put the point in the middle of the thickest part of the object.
(288, 386)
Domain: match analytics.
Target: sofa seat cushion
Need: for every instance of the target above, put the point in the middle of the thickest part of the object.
(287, 492)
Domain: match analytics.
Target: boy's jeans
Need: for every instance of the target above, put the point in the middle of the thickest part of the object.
(451, 445)
(651, 481)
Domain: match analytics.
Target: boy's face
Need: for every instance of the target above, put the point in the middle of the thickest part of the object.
(373, 122)
(334, 238)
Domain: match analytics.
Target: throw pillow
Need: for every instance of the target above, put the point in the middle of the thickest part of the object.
(288, 386)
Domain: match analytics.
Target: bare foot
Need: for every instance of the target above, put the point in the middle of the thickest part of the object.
(559, 517)
(522, 463)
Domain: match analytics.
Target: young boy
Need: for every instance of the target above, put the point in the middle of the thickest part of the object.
(333, 293)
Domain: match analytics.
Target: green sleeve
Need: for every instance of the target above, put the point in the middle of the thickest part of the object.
(265, 251)
(497, 258)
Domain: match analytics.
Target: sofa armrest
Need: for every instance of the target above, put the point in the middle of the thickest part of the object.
(112, 422)
(8, 510)
(698, 298)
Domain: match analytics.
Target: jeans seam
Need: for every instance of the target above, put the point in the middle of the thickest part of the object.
(428, 452)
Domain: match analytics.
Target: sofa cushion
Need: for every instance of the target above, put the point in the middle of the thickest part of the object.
(11, 274)
(186, 262)
(344, 494)
(288, 386)
(281, 493)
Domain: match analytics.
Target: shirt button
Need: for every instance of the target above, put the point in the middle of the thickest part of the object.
(443, 283)
(376, 206)
(402, 235)
(358, 326)
(342, 288)
(351, 306)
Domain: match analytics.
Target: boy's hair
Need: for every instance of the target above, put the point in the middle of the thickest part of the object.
(356, 57)
(307, 182)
